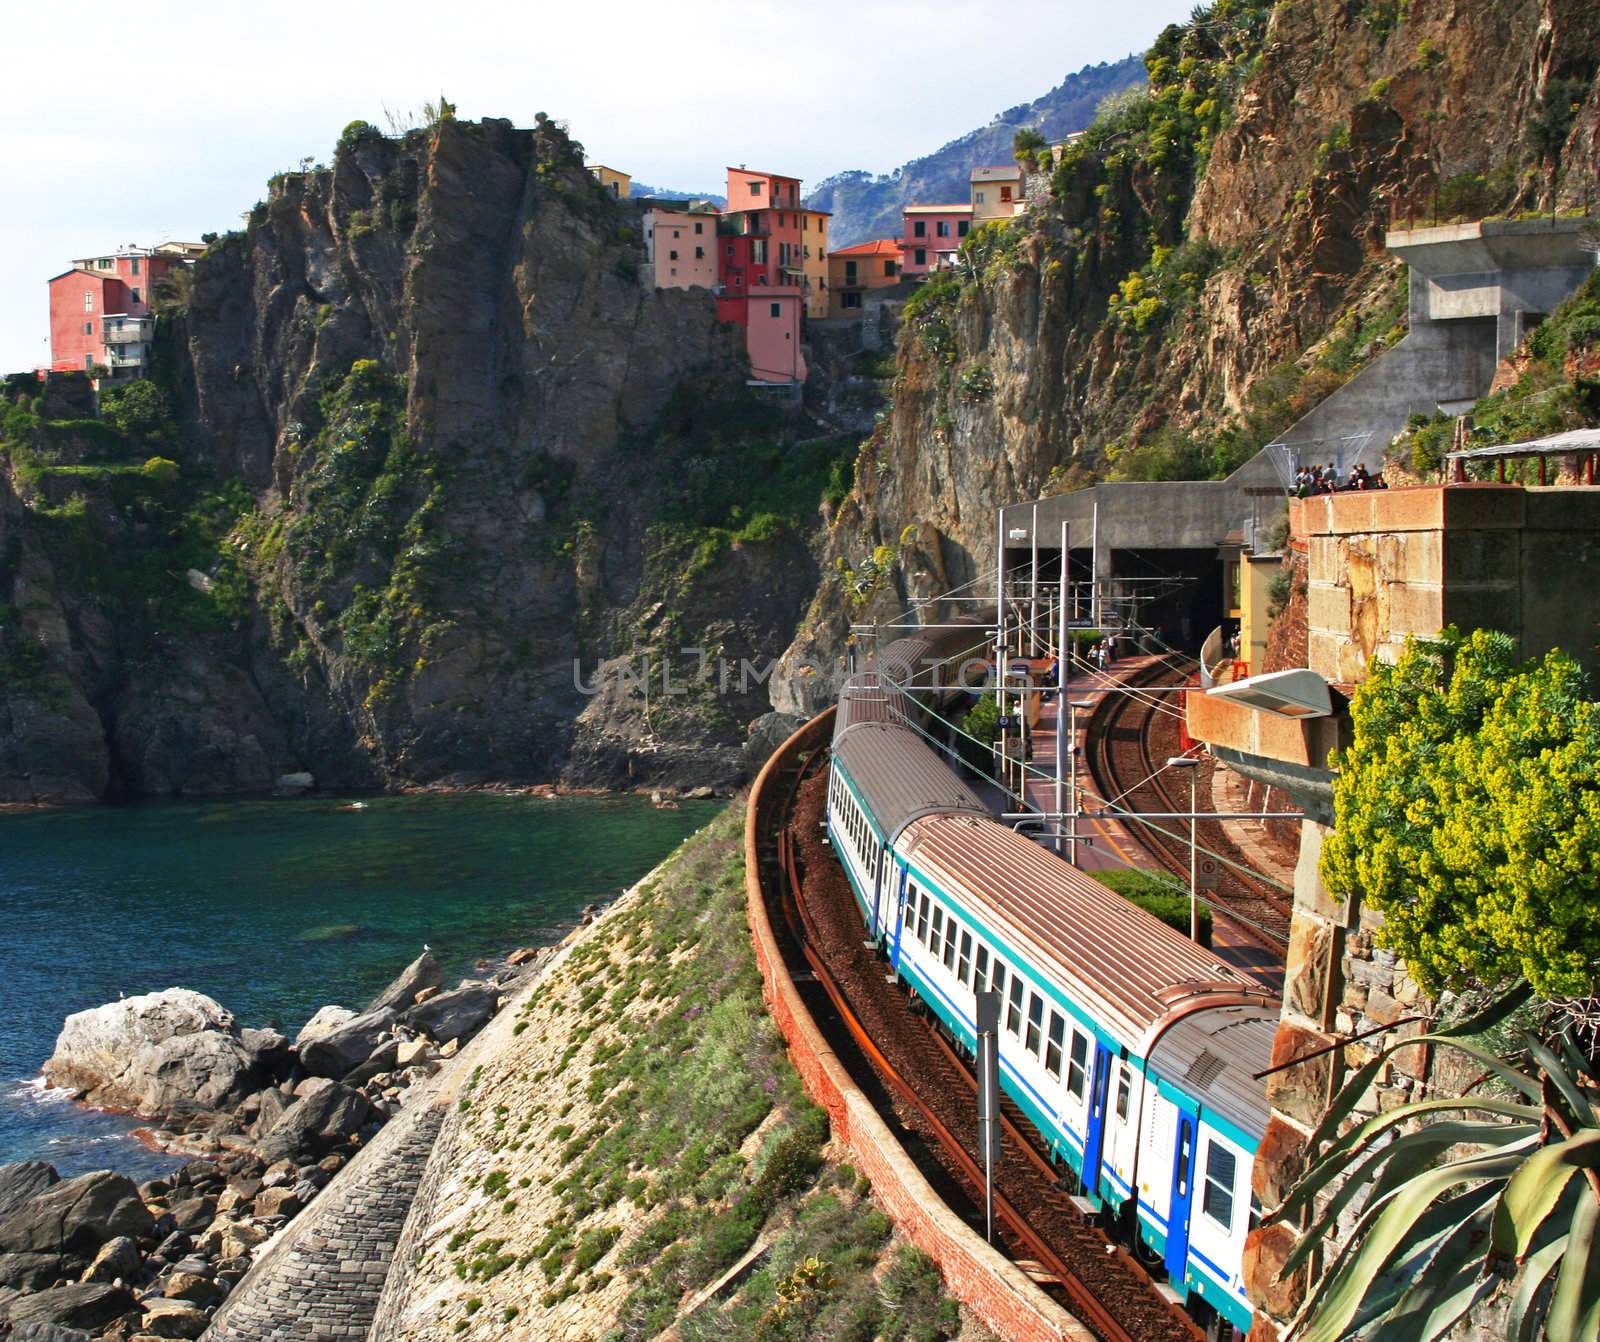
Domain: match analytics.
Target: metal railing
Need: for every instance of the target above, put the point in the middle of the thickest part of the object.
(134, 332)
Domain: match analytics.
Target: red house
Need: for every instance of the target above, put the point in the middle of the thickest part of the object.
(100, 309)
(761, 274)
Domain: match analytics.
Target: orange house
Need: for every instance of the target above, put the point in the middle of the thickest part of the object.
(853, 271)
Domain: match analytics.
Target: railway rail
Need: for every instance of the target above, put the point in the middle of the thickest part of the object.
(1124, 766)
(896, 1054)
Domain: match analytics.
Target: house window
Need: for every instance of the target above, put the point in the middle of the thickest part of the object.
(755, 188)
(1005, 194)
(977, 198)
(777, 311)
(134, 265)
(850, 277)
(943, 228)
(136, 297)
(851, 301)
(88, 301)
(888, 269)
(1221, 1166)
(88, 328)
(961, 228)
(672, 256)
(699, 253)
(105, 263)
(919, 229)
(922, 256)
(699, 227)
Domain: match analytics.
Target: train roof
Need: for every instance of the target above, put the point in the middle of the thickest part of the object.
(1216, 1056)
(1123, 966)
(901, 778)
(868, 696)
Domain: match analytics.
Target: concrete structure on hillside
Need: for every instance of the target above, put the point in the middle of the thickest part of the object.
(854, 271)
(997, 193)
(681, 246)
(1380, 567)
(100, 314)
(930, 236)
(1475, 291)
(614, 180)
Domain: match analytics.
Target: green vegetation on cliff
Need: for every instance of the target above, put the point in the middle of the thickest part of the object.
(1468, 813)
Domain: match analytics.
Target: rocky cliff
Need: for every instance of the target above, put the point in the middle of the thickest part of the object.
(432, 456)
(1209, 265)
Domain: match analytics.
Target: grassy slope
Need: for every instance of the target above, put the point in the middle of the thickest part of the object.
(643, 1130)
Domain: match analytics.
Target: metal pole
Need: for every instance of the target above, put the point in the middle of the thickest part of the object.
(1094, 567)
(1194, 865)
(988, 1023)
(1000, 625)
(1033, 584)
(1063, 674)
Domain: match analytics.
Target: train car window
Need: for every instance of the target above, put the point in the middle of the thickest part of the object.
(938, 930)
(1180, 1178)
(998, 982)
(1077, 1069)
(1052, 1048)
(1035, 1024)
(1255, 1212)
(950, 944)
(979, 983)
(964, 973)
(1221, 1166)
(1124, 1092)
(922, 917)
(1014, 1007)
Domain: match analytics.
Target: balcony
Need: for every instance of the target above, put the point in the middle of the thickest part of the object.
(131, 356)
(128, 330)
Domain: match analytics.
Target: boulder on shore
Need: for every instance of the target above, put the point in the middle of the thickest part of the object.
(88, 1305)
(77, 1216)
(455, 1014)
(423, 972)
(159, 1054)
(326, 1116)
(326, 1020)
(21, 1180)
(343, 1049)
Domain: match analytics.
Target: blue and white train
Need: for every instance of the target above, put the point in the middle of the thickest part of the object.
(1129, 1047)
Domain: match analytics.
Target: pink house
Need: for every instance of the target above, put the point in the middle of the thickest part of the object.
(682, 246)
(930, 236)
(771, 317)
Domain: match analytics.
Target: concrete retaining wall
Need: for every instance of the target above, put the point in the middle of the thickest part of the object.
(999, 1292)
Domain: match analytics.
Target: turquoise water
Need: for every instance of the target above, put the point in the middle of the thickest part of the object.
(276, 908)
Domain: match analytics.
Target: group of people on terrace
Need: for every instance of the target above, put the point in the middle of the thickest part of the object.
(1325, 480)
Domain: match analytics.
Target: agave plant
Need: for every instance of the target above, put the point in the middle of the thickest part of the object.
(1466, 1198)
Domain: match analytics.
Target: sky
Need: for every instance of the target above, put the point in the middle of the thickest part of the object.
(159, 121)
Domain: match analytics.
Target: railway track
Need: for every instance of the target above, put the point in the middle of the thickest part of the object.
(917, 1078)
(1125, 738)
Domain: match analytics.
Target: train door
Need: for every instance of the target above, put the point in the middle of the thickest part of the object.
(1177, 1255)
(1094, 1140)
(879, 869)
(899, 919)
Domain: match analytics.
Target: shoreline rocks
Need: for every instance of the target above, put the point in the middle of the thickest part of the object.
(265, 1124)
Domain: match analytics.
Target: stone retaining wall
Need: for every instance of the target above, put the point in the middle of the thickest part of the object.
(995, 1289)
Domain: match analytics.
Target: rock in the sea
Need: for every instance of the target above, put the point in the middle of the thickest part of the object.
(326, 1018)
(89, 1305)
(193, 1215)
(383, 1060)
(22, 1180)
(267, 1048)
(173, 1318)
(455, 1014)
(191, 1286)
(76, 1215)
(170, 1052)
(46, 1332)
(30, 1271)
(321, 1119)
(345, 1048)
(296, 782)
(117, 1258)
(423, 972)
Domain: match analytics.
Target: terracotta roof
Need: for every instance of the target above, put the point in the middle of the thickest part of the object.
(877, 247)
(939, 209)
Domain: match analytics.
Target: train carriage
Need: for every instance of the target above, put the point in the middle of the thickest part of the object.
(1130, 1048)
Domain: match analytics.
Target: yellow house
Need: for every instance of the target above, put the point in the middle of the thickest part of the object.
(996, 193)
(814, 260)
(619, 184)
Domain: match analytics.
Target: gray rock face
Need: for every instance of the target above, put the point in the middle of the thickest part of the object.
(423, 972)
(76, 1215)
(173, 1318)
(321, 1119)
(266, 1048)
(45, 1332)
(30, 1271)
(161, 1054)
(326, 1020)
(347, 1047)
(84, 1305)
(22, 1180)
(117, 1258)
(455, 1014)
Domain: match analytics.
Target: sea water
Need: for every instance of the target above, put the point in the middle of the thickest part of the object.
(276, 908)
